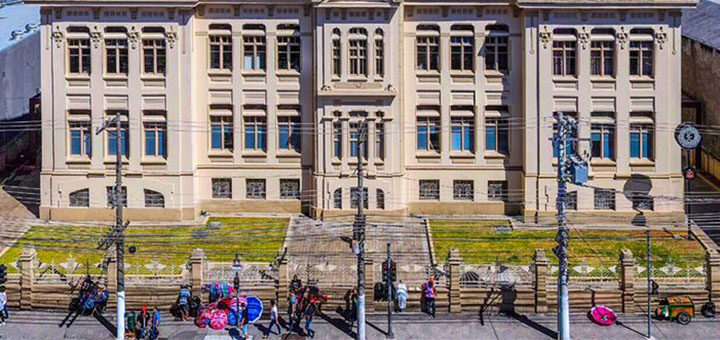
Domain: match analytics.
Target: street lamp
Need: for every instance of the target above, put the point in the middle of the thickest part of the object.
(237, 267)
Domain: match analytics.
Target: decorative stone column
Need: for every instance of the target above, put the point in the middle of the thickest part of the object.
(196, 271)
(627, 280)
(281, 287)
(454, 260)
(712, 278)
(369, 285)
(111, 259)
(541, 268)
(27, 263)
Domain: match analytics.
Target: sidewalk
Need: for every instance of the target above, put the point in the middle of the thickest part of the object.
(44, 325)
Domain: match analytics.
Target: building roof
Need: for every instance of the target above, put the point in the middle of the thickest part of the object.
(19, 18)
(702, 24)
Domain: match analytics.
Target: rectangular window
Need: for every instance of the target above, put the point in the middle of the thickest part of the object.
(255, 189)
(380, 140)
(428, 57)
(641, 141)
(222, 188)
(496, 54)
(337, 63)
(79, 56)
(289, 133)
(462, 53)
(355, 140)
(221, 133)
(254, 52)
(255, 133)
(290, 189)
(463, 191)
(429, 190)
(355, 197)
(337, 140)
(80, 198)
(116, 56)
(358, 57)
(124, 141)
(337, 198)
(641, 58)
(153, 199)
(564, 63)
(288, 53)
(428, 134)
(572, 200)
(379, 57)
(462, 131)
(496, 135)
(380, 199)
(220, 52)
(154, 56)
(602, 58)
(604, 199)
(110, 191)
(602, 140)
(155, 139)
(498, 191)
(80, 139)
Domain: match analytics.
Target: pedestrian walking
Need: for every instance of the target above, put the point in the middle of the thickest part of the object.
(430, 293)
(292, 308)
(274, 317)
(352, 316)
(402, 295)
(143, 323)
(310, 311)
(155, 329)
(244, 321)
(3, 306)
(184, 302)
(130, 324)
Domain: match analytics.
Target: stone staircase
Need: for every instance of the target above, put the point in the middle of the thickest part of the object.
(321, 251)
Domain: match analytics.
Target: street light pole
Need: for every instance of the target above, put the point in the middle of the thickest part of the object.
(359, 235)
(561, 250)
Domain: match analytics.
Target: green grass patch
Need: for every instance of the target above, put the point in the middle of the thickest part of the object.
(479, 244)
(255, 239)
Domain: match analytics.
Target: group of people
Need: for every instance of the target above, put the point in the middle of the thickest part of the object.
(143, 325)
(303, 303)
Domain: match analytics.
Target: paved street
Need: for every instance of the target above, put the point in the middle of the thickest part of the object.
(44, 325)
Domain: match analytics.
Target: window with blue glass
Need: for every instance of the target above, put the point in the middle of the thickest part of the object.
(255, 133)
(496, 135)
(111, 142)
(602, 140)
(641, 141)
(428, 134)
(155, 140)
(221, 133)
(380, 140)
(569, 147)
(289, 133)
(80, 139)
(462, 132)
(355, 139)
(337, 139)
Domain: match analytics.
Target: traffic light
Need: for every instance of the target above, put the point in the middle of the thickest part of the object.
(392, 268)
(3, 274)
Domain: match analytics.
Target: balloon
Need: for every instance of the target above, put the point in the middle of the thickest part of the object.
(218, 320)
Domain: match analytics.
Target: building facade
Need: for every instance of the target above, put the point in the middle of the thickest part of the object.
(259, 106)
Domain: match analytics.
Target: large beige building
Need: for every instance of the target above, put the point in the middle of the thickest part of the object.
(255, 106)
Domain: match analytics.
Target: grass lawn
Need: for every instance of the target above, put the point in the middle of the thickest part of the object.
(479, 244)
(256, 239)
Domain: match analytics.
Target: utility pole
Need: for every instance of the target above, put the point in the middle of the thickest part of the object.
(570, 168)
(359, 235)
(389, 281)
(649, 283)
(117, 235)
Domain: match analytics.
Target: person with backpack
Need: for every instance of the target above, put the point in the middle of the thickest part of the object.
(274, 320)
(184, 302)
(143, 323)
(130, 323)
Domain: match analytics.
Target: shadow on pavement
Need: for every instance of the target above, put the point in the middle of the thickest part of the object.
(534, 325)
(621, 324)
(340, 324)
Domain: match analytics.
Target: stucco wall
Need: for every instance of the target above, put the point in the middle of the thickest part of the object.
(701, 81)
(19, 76)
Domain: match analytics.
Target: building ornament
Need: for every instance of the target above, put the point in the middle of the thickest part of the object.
(58, 36)
(622, 38)
(661, 38)
(133, 36)
(584, 39)
(545, 37)
(171, 37)
(96, 36)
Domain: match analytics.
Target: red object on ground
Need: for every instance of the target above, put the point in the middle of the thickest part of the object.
(602, 315)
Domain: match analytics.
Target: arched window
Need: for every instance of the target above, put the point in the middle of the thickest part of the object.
(80, 198)
(220, 46)
(379, 53)
(357, 50)
(380, 199)
(154, 199)
(337, 198)
(336, 59)
(564, 52)
(641, 52)
(288, 47)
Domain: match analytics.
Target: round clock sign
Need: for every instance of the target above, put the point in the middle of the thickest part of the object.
(688, 136)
